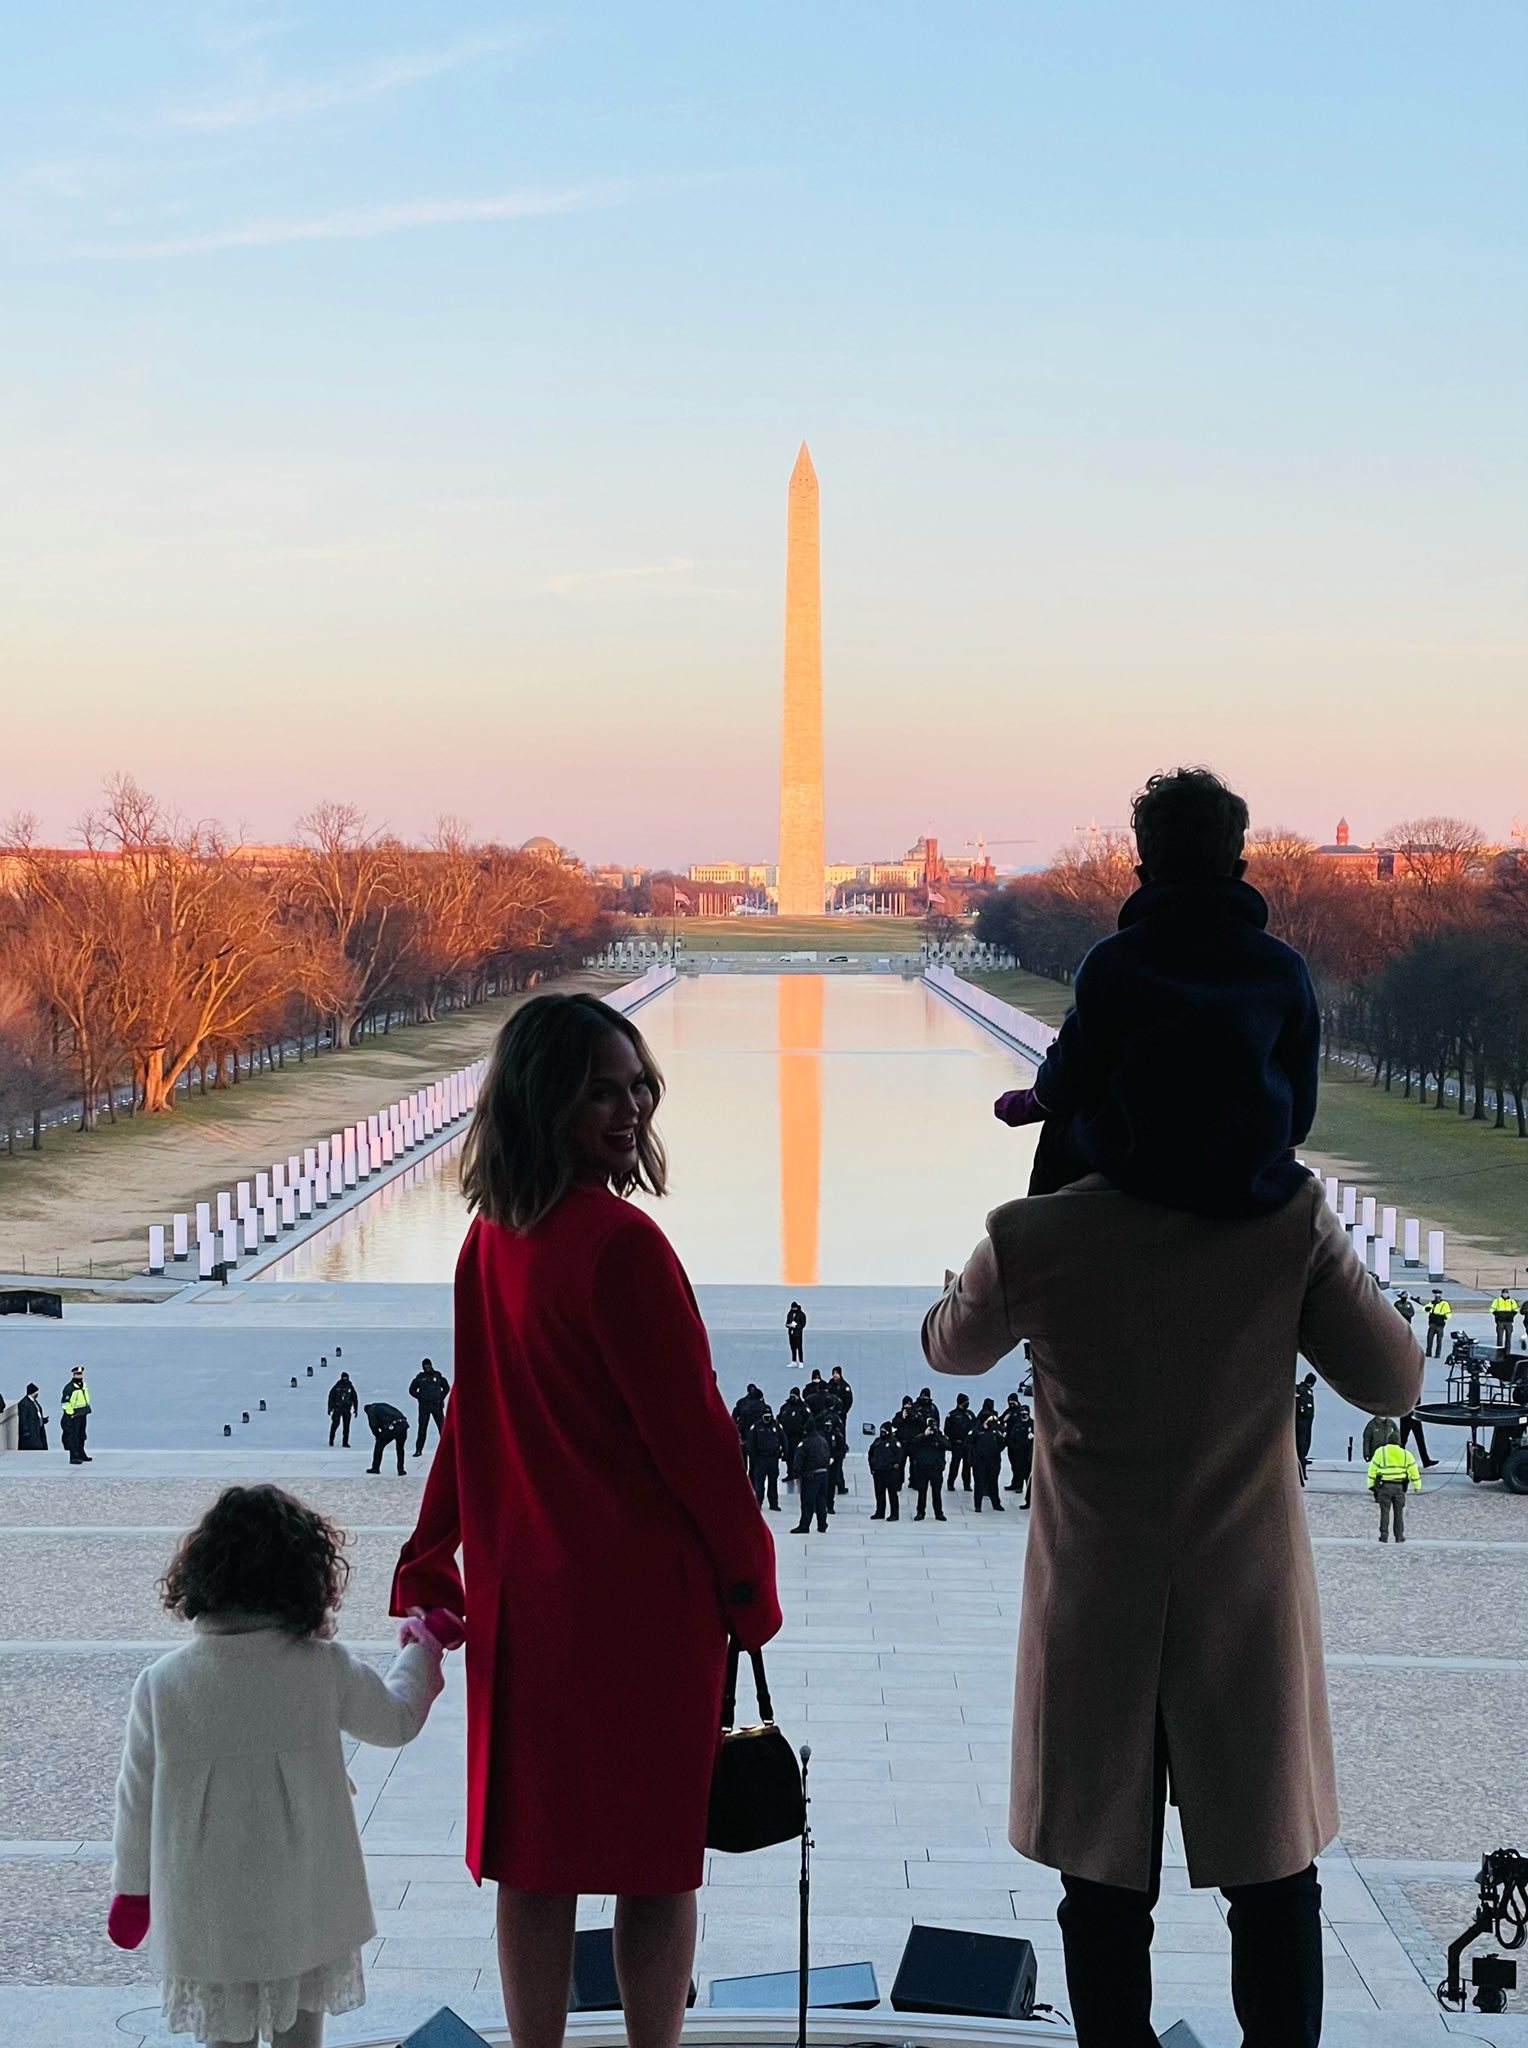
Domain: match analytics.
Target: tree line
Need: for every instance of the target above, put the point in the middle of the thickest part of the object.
(159, 954)
(1419, 954)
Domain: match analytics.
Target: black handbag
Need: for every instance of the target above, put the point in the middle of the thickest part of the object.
(756, 1793)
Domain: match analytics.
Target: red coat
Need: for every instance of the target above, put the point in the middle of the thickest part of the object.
(589, 1472)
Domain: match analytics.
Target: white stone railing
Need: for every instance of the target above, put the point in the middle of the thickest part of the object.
(239, 1222)
(1017, 1028)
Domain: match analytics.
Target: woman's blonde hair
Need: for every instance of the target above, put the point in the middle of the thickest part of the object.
(517, 1163)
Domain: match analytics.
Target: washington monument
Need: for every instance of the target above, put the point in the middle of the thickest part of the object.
(801, 870)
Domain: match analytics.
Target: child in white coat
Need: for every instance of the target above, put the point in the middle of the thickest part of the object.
(235, 1836)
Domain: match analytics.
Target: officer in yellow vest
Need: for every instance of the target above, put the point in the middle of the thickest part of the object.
(1504, 1309)
(73, 1410)
(1438, 1313)
(1391, 1471)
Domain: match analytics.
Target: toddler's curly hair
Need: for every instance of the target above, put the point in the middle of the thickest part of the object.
(259, 1550)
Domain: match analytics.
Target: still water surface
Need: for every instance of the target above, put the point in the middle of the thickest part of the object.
(820, 1129)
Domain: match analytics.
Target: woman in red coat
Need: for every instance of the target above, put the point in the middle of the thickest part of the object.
(589, 1475)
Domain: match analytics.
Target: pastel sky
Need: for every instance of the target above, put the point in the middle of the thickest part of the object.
(397, 403)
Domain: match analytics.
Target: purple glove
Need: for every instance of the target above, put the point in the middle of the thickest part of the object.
(127, 1920)
(1019, 1106)
(439, 1629)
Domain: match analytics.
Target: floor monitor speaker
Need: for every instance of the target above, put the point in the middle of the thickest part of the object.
(444, 2030)
(829, 1984)
(1181, 2035)
(594, 1987)
(975, 1976)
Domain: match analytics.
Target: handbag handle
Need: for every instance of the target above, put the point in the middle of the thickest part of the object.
(760, 1684)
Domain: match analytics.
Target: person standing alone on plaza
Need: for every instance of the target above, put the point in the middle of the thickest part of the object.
(428, 1389)
(1392, 1469)
(344, 1405)
(73, 1416)
(31, 1423)
(1438, 1313)
(590, 1475)
(795, 1331)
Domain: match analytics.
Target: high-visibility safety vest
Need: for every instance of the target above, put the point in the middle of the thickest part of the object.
(1504, 1305)
(1394, 1463)
(76, 1400)
(1442, 1309)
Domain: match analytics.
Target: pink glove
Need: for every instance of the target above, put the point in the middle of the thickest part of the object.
(438, 1627)
(1019, 1106)
(127, 1919)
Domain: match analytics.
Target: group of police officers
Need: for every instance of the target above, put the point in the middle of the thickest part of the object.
(809, 1439)
(389, 1425)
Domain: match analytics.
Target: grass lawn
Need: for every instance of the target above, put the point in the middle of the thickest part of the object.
(790, 934)
(85, 1203)
(1463, 1178)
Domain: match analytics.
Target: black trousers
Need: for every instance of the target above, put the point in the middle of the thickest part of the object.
(380, 1439)
(1276, 1971)
(1436, 1325)
(986, 1489)
(428, 1413)
(1410, 1427)
(924, 1486)
(1021, 1458)
(887, 1499)
(766, 1478)
(337, 1421)
(814, 1500)
(795, 1337)
(72, 1435)
(960, 1467)
(840, 1484)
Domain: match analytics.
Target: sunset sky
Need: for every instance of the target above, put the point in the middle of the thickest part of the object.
(397, 403)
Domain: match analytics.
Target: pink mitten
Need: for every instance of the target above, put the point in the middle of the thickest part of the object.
(1019, 1106)
(127, 1919)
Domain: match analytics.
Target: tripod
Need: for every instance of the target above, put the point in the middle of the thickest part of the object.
(803, 1963)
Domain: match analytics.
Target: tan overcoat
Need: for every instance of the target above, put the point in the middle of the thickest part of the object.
(1168, 1558)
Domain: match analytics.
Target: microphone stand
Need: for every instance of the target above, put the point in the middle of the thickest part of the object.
(803, 1971)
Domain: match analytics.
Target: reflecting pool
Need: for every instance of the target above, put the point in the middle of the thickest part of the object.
(819, 1129)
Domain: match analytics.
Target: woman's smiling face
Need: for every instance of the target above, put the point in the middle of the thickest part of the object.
(612, 1113)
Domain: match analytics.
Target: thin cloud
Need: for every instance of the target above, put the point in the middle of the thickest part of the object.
(585, 579)
(318, 96)
(367, 223)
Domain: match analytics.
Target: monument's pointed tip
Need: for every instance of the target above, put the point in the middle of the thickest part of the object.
(803, 462)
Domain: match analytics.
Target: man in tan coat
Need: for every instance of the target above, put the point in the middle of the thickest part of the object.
(1170, 1626)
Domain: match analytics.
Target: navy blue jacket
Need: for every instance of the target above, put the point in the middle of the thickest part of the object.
(1186, 1070)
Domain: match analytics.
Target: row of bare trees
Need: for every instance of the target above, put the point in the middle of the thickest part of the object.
(1419, 953)
(158, 953)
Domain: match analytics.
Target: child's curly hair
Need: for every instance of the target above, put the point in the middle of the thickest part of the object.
(257, 1550)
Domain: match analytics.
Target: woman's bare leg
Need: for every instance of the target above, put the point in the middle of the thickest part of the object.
(654, 1955)
(536, 1964)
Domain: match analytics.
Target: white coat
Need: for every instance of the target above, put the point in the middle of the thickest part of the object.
(234, 1809)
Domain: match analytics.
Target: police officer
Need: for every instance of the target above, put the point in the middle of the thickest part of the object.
(74, 1412)
(885, 1459)
(815, 1392)
(1438, 1313)
(766, 1447)
(958, 1428)
(1019, 1441)
(746, 1412)
(925, 1464)
(1405, 1307)
(1504, 1312)
(831, 1423)
(811, 1466)
(792, 1420)
(1305, 1419)
(927, 1412)
(907, 1423)
(388, 1425)
(344, 1402)
(1391, 1470)
(1379, 1429)
(429, 1389)
(838, 1385)
(987, 1463)
(795, 1331)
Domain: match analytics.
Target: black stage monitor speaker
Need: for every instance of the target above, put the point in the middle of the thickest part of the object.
(444, 2030)
(1181, 2035)
(836, 1984)
(594, 1986)
(975, 1976)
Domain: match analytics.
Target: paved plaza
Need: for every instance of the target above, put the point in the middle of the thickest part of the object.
(895, 1663)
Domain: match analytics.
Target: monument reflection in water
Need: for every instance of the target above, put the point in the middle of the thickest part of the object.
(821, 1130)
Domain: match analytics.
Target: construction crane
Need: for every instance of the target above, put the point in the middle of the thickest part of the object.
(981, 842)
